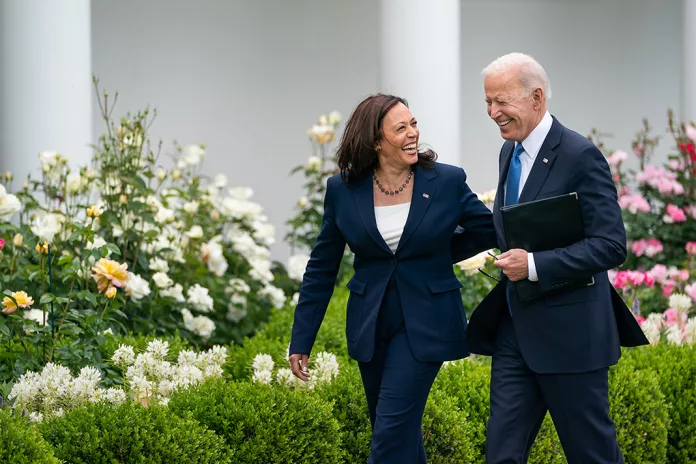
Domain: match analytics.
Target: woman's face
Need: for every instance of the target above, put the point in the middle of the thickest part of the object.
(399, 140)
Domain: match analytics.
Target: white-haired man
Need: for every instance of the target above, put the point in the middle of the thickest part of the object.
(551, 353)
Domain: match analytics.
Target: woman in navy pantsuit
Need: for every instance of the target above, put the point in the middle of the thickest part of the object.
(397, 210)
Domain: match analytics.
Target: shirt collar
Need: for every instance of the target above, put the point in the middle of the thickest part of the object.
(532, 144)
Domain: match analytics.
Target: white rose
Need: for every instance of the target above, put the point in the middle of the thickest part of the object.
(49, 160)
(241, 208)
(200, 325)
(235, 311)
(161, 174)
(191, 207)
(237, 285)
(274, 294)
(159, 265)
(9, 204)
(195, 232)
(241, 193)
(164, 215)
(470, 266)
(264, 232)
(200, 300)
(176, 292)
(303, 202)
(296, 266)
(36, 315)
(46, 226)
(193, 154)
(334, 118)
(73, 182)
(260, 270)
(220, 181)
(313, 163)
(162, 280)
(137, 287)
(97, 242)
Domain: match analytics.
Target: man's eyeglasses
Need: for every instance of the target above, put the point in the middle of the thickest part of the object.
(487, 274)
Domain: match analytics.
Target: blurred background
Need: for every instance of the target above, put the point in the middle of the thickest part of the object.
(249, 77)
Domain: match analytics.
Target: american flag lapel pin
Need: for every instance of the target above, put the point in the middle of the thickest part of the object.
(546, 160)
(425, 195)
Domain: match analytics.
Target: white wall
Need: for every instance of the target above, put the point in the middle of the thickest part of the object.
(610, 62)
(249, 76)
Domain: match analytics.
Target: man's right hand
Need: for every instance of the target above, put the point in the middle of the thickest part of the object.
(299, 364)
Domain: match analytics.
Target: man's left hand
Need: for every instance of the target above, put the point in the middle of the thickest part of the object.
(513, 264)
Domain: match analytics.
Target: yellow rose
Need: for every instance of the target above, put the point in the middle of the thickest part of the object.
(110, 292)
(108, 272)
(23, 301)
(18, 240)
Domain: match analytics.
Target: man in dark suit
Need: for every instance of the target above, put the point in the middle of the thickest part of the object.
(551, 353)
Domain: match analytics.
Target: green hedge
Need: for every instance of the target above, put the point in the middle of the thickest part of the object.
(263, 423)
(130, 433)
(675, 368)
(637, 404)
(21, 442)
(640, 413)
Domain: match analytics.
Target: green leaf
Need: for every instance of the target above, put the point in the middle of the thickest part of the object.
(47, 298)
(113, 248)
(92, 298)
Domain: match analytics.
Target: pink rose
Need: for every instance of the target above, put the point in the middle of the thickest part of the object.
(649, 280)
(634, 203)
(638, 247)
(637, 278)
(677, 165)
(640, 320)
(674, 214)
(691, 210)
(621, 280)
(2, 244)
(653, 247)
(684, 275)
(659, 272)
(691, 132)
(616, 158)
(667, 289)
(691, 291)
(672, 316)
(691, 248)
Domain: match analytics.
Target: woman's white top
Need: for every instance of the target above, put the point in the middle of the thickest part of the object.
(391, 221)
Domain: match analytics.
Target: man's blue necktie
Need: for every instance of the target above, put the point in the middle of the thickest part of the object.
(512, 192)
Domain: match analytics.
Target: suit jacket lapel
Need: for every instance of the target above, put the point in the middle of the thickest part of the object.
(507, 156)
(365, 201)
(423, 195)
(507, 150)
(542, 164)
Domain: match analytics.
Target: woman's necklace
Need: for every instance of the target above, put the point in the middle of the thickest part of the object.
(392, 192)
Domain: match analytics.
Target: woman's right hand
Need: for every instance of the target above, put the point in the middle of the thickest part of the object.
(299, 364)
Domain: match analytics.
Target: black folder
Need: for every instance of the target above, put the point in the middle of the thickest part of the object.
(543, 225)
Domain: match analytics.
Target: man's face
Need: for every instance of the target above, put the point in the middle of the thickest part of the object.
(515, 114)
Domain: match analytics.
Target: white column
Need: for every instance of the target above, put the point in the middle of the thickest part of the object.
(689, 61)
(46, 84)
(420, 61)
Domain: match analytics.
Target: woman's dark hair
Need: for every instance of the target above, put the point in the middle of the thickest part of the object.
(356, 153)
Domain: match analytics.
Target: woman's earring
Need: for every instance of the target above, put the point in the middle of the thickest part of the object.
(378, 149)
